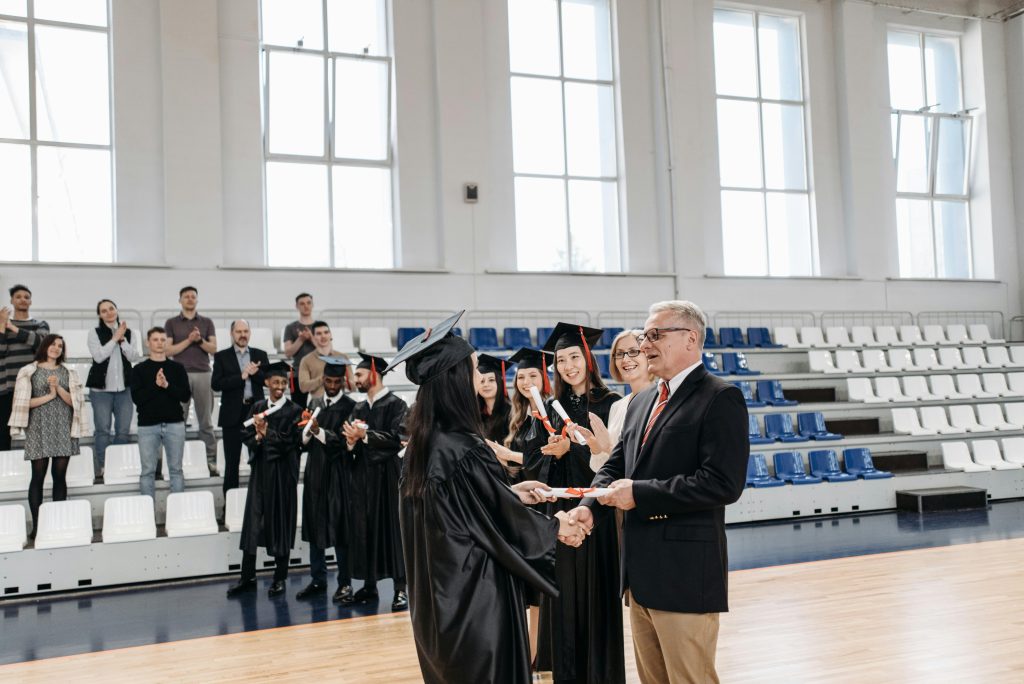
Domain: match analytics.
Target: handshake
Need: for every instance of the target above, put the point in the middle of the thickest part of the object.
(573, 526)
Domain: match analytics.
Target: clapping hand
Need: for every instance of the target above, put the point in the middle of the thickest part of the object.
(260, 423)
(305, 335)
(195, 335)
(557, 446)
(621, 496)
(352, 433)
(250, 369)
(120, 332)
(161, 379)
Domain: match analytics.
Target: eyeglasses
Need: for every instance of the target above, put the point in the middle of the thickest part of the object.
(654, 334)
(632, 353)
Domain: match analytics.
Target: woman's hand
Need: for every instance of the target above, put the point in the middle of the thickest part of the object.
(570, 532)
(53, 385)
(528, 492)
(557, 446)
(502, 452)
(119, 333)
(602, 438)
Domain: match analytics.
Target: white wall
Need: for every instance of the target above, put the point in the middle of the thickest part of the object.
(189, 167)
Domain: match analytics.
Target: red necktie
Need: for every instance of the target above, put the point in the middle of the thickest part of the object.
(658, 408)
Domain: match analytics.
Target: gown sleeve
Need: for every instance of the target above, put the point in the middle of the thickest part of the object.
(385, 443)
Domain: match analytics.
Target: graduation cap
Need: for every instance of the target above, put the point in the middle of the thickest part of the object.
(335, 366)
(277, 369)
(485, 363)
(433, 351)
(534, 358)
(567, 335)
(375, 364)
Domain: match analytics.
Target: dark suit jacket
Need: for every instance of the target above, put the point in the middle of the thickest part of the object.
(693, 464)
(227, 379)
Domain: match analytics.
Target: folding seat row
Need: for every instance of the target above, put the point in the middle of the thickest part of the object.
(825, 465)
(933, 420)
(769, 393)
(733, 337)
(733, 363)
(987, 456)
(947, 358)
(884, 336)
(16, 472)
(779, 427)
(935, 387)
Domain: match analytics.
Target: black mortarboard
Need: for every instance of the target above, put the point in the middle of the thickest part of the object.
(527, 357)
(485, 363)
(574, 335)
(375, 364)
(335, 366)
(433, 351)
(278, 368)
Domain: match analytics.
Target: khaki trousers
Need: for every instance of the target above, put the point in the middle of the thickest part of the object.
(673, 647)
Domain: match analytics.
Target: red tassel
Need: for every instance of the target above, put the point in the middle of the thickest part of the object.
(373, 371)
(586, 348)
(504, 385)
(291, 380)
(544, 373)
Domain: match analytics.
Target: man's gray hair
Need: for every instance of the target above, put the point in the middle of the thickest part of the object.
(687, 312)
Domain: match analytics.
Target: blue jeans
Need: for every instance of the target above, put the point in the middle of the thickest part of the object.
(106, 406)
(171, 436)
(318, 565)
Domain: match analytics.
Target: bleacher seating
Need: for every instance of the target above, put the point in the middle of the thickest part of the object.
(811, 336)
(995, 383)
(916, 387)
(885, 336)
(710, 341)
(1015, 382)
(190, 514)
(608, 336)
(261, 338)
(243, 461)
(770, 392)
(888, 389)
(1013, 449)
(543, 333)
(863, 335)
(825, 464)
(760, 337)
(999, 357)
(64, 523)
(901, 360)
(956, 456)
(812, 425)
(234, 508)
(123, 464)
(991, 417)
(934, 334)
(858, 463)
(15, 471)
(76, 344)
(754, 432)
(786, 336)
(748, 394)
(860, 389)
(979, 332)
(403, 335)
(974, 357)
(847, 360)
(80, 472)
(956, 333)
(484, 339)
(376, 340)
(789, 466)
(603, 365)
(758, 475)
(735, 363)
(911, 334)
(344, 339)
(905, 421)
(12, 528)
(128, 518)
(1014, 413)
(970, 384)
(822, 362)
(514, 338)
(944, 386)
(949, 357)
(731, 337)
(712, 364)
(926, 358)
(779, 426)
(838, 336)
(934, 418)
(193, 462)
(963, 417)
(874, 361)
(986, 452)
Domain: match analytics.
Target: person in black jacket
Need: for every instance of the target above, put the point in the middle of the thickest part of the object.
(681, 459)
(238, 376)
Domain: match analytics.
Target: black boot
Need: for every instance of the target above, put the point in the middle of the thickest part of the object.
(276, 589)
(312, 590)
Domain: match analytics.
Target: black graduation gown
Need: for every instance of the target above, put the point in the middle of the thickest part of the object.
(375, 543)
(580, 637)
(323, 490)
(529, 438)
(271, 501)
(471, 547)
(496, 424)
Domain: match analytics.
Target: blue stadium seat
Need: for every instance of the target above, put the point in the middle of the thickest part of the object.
(770, 392)
(735, 363)
(825, 464)
(406, 334)
(812, 425)
(859, 464)
(710, 341)
(711, 364)
(603, 365)
(760, 337)
(542, 335)
(457, 332)
(754, 432)
(607, 337)
(779, 426)
(748, 394)
(789, 466)
(758, 475)
(515, 338)
(731, 337)
(484, 339)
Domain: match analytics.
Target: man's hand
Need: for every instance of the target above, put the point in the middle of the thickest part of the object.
(584, 517)
(305, 335)
(621, 496)
(352, 433)
(195, 336)
(557, 446)
(570, 532)
(250, 369)
(161, 379)
(314, 427)
(260, 423)
(528, 493)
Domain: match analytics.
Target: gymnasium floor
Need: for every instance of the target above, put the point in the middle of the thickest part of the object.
(807, 598)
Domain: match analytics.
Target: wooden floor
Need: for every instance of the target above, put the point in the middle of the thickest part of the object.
(949, 614)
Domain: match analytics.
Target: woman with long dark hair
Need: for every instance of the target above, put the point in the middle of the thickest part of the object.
(581, 629)
(470, 542)
(492, 395)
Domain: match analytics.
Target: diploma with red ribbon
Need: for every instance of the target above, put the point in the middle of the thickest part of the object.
(539, 412)
(569, 425)
(263, 414)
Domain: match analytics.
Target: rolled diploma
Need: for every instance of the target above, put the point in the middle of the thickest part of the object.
(557, 405)
(264, 414)
(538, 401)
(305, 430)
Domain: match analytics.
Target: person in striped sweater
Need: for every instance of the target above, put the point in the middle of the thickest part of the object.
(20, 335)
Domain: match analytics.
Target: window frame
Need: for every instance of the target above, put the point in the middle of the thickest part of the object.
(565, 176)
(34, 143)
(760, 101)
(327, 159)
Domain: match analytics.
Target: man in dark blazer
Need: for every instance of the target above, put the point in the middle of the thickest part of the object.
(681, 458)
(238, 376)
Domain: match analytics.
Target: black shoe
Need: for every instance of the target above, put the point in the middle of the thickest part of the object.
(343, 593)
(401, 601)
(243, 586)
(360, 597)
(312, 589)
(276, 589)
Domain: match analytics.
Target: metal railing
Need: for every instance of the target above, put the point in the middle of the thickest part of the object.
(763, 319)
(872, 319)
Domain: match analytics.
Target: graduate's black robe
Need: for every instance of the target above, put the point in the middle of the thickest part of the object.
(375, 543)
(272, 499)
(496, 424)
(580, 637)
(471, 546)
(528, 439)
(323, 483)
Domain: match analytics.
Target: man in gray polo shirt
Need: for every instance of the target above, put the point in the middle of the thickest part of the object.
(191, 340)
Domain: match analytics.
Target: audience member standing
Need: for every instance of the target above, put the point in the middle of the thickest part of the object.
(110, 344)
(298, 342)
(311, 370)
(160, 389)
(20, 335)
(191, 339)
(47, 411)
(238, 376)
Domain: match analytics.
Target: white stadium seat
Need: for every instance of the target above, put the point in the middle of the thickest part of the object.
(974, 357)
(1017, 356)
(926, 358)
(1014, 412)
(64, 523)
(886, 336)
(786, 335)
(943, 386)
(123, 464)
(848, 360)
(991, 416)
(128, 519)
(859, 389)
(916, 387)
(811, 336)
(956, 333)
(863, 335)
(911, 334)
(1013, 449)
(970, 384)
(963, 417)
(838, 336)
(956, 456)
(934, 418)
(900, 359)
(889, 389)
(874, 360)
(996, 384)
(986, 452)
(12, 528)
(191, 514)
(376, 341)
(76, 344)
(949, 357)
(344, 339)
(1015, 382)
(905, 422)
(821, 361)
(998, 356)
(243, 460)
(193, 462)
(262, 338)
(234, 509)
(224, 338)
(934, 334)
(979, 333)
(16, 472)
(80, 471)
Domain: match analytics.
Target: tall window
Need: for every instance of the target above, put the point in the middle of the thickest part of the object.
(762, 155)
(563, 135)
(931, 146)
(55, 139)
(327, 133)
